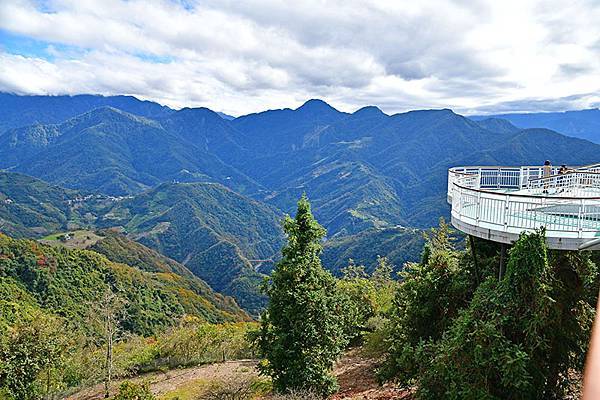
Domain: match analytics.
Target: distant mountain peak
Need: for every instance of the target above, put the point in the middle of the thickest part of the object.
(497, 125)
(369, 111)
(103, 112)
(197, 111)
(226, 117)
(316, 105)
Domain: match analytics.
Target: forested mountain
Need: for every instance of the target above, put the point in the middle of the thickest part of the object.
(18, 111)
(361, 170)
(370, 176)
(66, 282)
(113, 152)
(212, 230)
(584, 124)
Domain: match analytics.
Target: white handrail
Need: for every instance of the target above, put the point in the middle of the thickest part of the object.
(514, 199)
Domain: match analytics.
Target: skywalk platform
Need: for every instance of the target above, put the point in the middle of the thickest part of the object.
(499, 203)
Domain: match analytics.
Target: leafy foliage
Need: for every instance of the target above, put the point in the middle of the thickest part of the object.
(35, 346)
(517, 338)
(301, 335)
(366, 300)
(134, 391)
(66, 281)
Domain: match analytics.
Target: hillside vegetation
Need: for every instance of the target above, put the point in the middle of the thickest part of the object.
(32, 208)
(213, 231)
(66, 282)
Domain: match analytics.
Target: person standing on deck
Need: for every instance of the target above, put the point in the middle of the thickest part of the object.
(547, 171)
(561, 180)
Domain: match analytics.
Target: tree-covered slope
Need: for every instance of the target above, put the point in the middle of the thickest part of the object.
(399, 245)
(67, 281)
(17, 111)
(196, 296)
(213, 231)
(219, 234)
(113, 152)
(30, 207)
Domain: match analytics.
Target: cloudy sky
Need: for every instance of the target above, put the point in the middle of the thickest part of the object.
(248, 55)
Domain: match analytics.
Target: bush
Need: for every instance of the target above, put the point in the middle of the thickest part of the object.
(195, 342)
(519, 338)
(134, 391)
(237, 389)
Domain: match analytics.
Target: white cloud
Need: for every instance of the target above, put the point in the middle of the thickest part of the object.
(246, 56)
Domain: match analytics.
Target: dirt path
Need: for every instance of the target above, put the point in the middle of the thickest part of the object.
(357, 380)
(355, 374)
(163, 383)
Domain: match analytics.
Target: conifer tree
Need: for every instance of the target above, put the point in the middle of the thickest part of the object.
(301, 332)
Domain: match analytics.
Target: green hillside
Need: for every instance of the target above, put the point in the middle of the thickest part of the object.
(399, 245)
(30, 207)
(196, 296)
(212, 230)
(67, 281)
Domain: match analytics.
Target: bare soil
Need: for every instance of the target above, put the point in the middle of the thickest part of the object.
(355, 374)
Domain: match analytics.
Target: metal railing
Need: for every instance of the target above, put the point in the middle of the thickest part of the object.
(574, 184)
(514, 199)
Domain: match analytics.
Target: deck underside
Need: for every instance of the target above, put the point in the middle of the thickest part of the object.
(565, 241)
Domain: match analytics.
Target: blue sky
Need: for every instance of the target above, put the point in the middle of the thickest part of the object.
(473, 56)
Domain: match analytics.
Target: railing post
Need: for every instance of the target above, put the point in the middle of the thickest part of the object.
(505, 214)
(498, 179)
(478, 212)
(580, 218)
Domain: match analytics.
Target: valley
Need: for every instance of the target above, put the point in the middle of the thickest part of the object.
(210, 193)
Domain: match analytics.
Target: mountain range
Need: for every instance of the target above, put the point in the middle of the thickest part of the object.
(209, 192)
(583, 124)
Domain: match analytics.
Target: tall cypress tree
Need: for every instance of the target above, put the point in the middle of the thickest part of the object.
(301, 333)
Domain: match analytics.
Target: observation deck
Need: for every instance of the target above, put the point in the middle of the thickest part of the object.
(499, 203)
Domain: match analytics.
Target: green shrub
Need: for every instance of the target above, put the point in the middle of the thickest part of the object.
(521, 337)
(134, 391)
